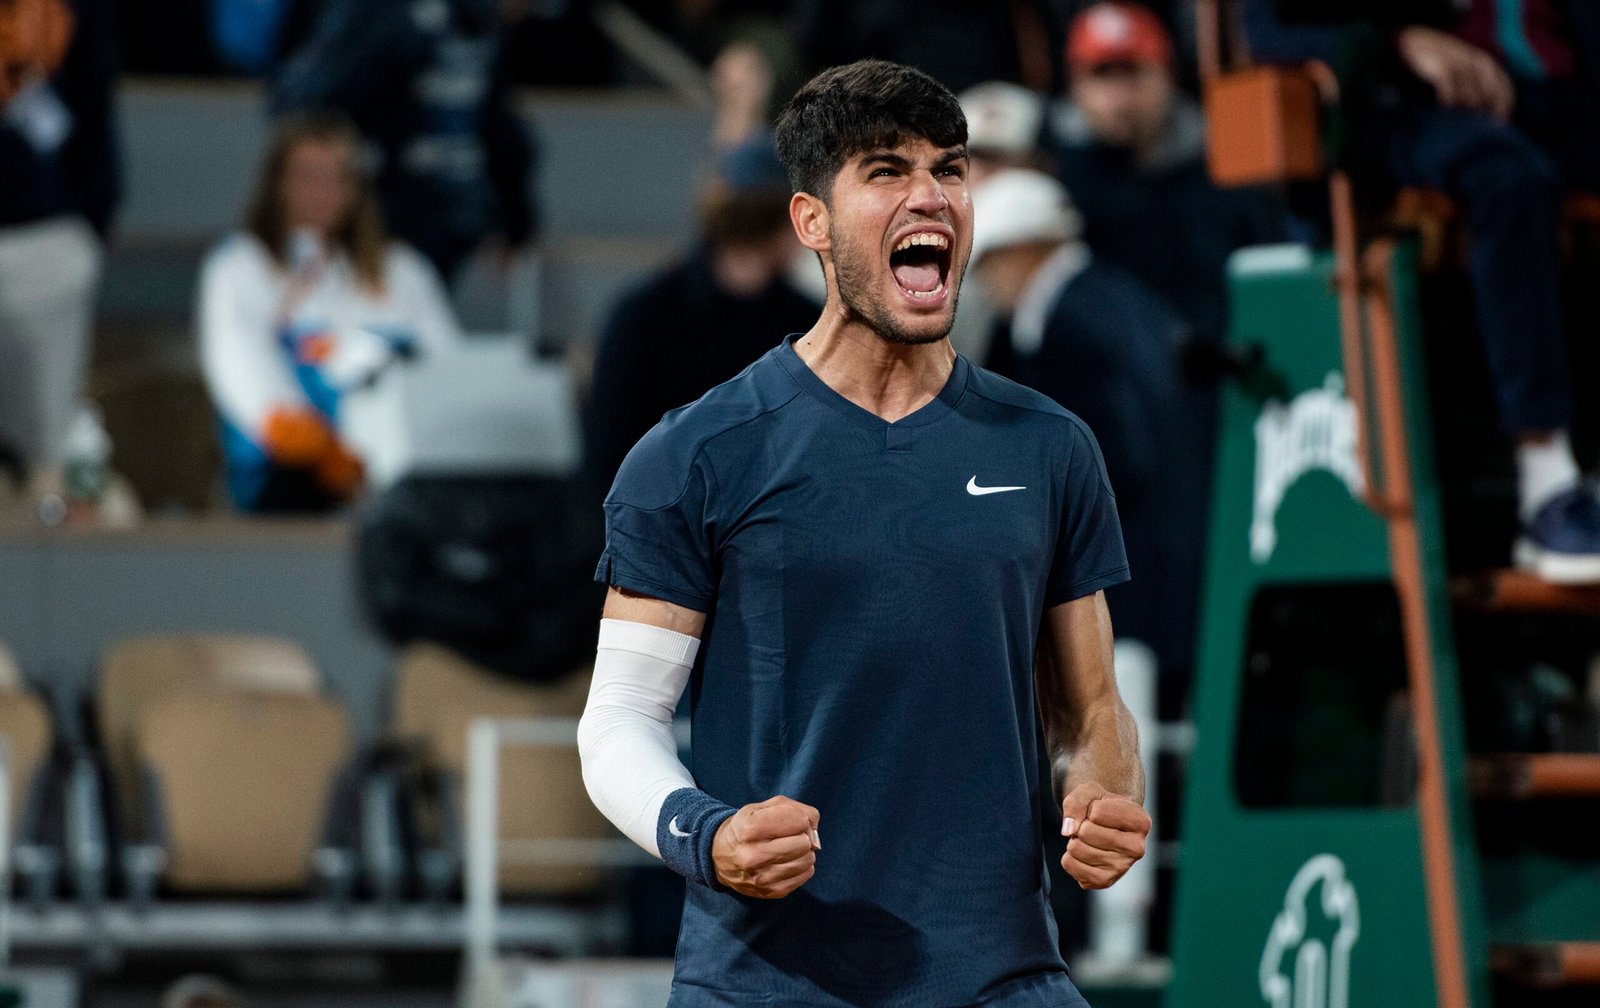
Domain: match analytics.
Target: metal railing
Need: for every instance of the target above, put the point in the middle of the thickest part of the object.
(483, 977)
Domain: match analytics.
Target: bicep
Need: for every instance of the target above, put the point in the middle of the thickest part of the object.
(622, 604)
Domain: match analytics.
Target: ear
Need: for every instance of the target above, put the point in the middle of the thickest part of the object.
(809, 215)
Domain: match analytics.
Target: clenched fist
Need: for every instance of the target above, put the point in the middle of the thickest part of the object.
(1105, 835)
(767, 850)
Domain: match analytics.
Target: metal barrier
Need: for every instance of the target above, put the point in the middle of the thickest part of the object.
(484, 981)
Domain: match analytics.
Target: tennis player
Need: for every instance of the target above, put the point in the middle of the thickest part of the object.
(878, 568)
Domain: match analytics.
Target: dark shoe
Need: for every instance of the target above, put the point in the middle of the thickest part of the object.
(1561, 542)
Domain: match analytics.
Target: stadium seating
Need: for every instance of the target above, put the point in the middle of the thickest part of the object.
(438, 696)
(224, 757)
(29, 736)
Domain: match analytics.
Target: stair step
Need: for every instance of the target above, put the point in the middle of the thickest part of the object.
(1536, 775)
(1549, 964)
(1521, 591)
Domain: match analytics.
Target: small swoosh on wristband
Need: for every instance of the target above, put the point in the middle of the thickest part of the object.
(672, 827)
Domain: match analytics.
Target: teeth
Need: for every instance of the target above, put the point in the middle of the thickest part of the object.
(928, 295)
(933, 238)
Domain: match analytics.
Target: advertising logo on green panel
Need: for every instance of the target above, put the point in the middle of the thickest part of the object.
(1314, 431)
(1306, 958)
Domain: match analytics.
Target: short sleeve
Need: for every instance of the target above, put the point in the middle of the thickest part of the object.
(1089, 551)
(658, 541)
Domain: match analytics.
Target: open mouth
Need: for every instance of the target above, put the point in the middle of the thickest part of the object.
(920, 264)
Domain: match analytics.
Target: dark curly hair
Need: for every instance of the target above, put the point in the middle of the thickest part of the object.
(865, 105)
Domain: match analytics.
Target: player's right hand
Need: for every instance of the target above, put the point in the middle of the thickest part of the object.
(767, 850)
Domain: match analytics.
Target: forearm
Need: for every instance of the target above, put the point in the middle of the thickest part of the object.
(625, 738)
(626, 743)
(1104, 749)
(1089, 734)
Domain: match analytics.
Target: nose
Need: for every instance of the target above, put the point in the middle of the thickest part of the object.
(927, 195)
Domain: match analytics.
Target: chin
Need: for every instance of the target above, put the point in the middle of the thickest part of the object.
(916, 332)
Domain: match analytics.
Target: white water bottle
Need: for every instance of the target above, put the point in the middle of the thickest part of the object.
(88, 461)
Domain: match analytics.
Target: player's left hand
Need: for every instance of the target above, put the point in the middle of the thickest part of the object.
(1105, 835)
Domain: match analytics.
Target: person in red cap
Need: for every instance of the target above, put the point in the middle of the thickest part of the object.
(1120, 59)
(1130, 146)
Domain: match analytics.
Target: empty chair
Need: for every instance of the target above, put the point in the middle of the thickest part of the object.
(29, 737)
(140, 672)
(244, 786)
(25, 726)
(438, 696)
(225, 757)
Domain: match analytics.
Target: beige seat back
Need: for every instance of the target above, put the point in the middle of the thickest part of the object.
(25, 726)
(10, 672)
(439, 695)
(140, 672)
(245, 781)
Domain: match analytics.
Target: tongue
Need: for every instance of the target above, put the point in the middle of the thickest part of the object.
(921, 277)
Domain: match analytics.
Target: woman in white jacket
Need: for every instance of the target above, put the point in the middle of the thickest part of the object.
(309, 302)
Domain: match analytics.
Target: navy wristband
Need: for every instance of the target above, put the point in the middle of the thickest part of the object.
(688, 823)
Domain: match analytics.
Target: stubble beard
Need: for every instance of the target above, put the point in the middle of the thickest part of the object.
(852, 275)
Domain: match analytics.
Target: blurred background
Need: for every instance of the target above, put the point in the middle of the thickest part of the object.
(325, 324)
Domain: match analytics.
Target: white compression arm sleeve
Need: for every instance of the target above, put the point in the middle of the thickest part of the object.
(625, 740)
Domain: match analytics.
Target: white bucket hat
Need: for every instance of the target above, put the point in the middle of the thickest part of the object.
(1017, 206)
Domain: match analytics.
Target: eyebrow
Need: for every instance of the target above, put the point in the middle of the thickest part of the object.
(884, 157)
(897, 161)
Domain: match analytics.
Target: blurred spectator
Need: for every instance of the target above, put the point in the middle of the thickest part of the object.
(1439, 111)
(34, 35)
(706, 318)
(1005, 129)
(1099, 342)
(741, 86)
(1130, 147)
(309, 302)
(200, 991)
(960, 43)
(427, 84)
(58, 187)
(704, 29)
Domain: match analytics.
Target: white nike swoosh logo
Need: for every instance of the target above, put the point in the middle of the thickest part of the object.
(978, 491)
(672, 827)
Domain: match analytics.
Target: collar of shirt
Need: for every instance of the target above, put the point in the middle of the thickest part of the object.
(1048, 281)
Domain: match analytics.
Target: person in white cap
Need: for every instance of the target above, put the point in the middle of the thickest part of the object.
(1005, 124)
(1097, 340)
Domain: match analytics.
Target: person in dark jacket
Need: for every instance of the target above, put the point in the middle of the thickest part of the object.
(426, 83)
(1097, 340)
(705, 318)
(1495, 104)
(960, 43)
(59, 184)
(1130, 147)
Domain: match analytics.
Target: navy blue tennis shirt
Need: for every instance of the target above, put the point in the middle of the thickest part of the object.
(874, 593)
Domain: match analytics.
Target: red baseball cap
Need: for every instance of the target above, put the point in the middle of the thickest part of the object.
(1117, 33)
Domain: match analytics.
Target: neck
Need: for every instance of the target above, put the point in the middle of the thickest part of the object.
(889, 380)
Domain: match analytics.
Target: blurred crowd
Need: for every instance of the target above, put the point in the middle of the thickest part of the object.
(1099, 262)
(399, 154)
